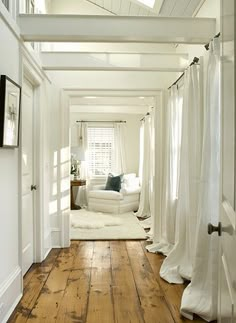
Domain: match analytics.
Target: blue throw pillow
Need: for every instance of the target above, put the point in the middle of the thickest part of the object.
(113, 183)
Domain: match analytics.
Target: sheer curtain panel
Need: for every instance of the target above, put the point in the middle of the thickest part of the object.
(200, 295)
(145, 136)
(120, 159)
(82, 130)
(169, 186)
(179, 262)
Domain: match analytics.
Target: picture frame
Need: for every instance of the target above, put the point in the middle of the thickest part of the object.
(10, 108)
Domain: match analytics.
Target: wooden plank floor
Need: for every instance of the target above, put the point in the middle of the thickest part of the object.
(99, 282)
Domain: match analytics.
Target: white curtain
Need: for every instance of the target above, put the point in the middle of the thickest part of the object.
(145, 137)
(82, 131)
(172, 127)
(179, 262)
(200, 296)
(120, 154)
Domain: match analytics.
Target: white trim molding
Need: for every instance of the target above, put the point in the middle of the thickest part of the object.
(8, 18)
(10, 294)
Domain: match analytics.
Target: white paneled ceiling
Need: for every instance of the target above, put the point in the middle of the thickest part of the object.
(179, 8)
(166, 8)
(117, 77)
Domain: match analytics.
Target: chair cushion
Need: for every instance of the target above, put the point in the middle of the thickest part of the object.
(103, 194)
(113, 183)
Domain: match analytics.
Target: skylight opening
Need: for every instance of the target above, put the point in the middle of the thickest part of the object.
(148, 3)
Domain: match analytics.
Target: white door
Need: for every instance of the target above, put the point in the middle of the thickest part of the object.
(27, 176)
(227, 277)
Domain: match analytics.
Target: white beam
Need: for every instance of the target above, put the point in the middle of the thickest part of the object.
(134, 48)
(64, 61)
(137, 101)
(74, 92)
(110, 109)
(74, 28)
(112, 80)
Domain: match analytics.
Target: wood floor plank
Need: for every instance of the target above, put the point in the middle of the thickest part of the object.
(151, 297)
(48, 303)
(172, 292)
(100, 307)
(126, 301)
(99, 282)
(34, 281)
(73, 307)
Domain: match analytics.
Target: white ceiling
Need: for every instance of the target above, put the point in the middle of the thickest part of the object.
(162, 7)
(138, 83)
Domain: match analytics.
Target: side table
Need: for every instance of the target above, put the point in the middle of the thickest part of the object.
(77, 182)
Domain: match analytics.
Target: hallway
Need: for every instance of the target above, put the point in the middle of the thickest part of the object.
(102, 282)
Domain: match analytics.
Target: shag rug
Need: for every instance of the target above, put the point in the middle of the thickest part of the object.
(87, 225)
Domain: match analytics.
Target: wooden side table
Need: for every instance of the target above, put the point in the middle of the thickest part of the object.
(77, 182)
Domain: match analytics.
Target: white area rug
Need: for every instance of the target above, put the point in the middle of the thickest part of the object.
(86, 225)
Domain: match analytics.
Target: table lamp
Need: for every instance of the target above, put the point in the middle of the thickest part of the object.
(77, 155)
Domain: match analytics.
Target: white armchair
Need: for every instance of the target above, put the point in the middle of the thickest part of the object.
(126, 200)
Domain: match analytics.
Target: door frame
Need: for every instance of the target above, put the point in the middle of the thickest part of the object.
(33, 73)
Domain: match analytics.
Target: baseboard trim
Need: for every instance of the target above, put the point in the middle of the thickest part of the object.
(46, 253)
(7, 316)
(56, 238)
(10, 294)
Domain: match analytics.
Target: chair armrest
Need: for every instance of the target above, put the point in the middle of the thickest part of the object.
(130, 190)
(98, 187)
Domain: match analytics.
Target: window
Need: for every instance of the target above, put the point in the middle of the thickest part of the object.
(149, 3)
(30, 6)
(101, 155)
(6, 4)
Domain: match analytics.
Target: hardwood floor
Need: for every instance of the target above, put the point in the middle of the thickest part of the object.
(102, 282)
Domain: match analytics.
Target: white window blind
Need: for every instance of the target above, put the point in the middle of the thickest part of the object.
(101, 155)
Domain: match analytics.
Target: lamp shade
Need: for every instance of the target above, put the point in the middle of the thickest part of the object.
(78, 153)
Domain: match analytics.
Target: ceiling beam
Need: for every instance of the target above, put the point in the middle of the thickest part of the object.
(112, 80)
(126, 93)
(76, 28)
(114, 101)
(72, 61)
(110, 109)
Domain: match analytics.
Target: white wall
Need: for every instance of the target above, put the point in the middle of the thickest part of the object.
(46, 136)
(58, 186)
(132, 134)
(9, 197)
(47, 103)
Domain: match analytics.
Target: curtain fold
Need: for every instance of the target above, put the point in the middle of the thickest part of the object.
(171, 145)
(145, 137)
(200, 295)
(120, 154)
(178, 264)
(82, 130)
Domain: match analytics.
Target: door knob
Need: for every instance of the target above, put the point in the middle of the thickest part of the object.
(212, 228)
(33, 187)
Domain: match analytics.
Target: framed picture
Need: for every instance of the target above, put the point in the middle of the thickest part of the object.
(10, 100)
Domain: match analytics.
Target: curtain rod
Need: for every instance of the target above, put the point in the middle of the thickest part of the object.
(195, 60)
(117, 121)
(147, 114)
(208, 44)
